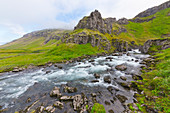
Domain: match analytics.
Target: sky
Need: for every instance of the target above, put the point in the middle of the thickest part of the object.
(18, 17)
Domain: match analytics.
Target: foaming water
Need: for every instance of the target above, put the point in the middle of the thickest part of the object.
(13, 85)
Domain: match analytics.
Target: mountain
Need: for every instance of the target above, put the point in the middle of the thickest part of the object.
(36, 39)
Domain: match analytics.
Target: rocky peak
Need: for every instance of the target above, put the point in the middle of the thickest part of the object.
(154, 10)
(96, 15)
(93, 22)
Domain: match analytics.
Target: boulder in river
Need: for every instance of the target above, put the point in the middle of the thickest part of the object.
(66, 98)
(77, 102)
(70, 89)
(107, 79)
(96, 75)
(121, 98)
(58, 104)
(121, 67)
(50, 109)
(94, 81)
(55, 92)
(123, 78)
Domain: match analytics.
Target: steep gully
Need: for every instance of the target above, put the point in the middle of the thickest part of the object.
(19, 90)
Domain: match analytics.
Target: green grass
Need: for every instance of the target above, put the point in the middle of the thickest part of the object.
(98, 108)
(152, 29)
(157, 83)
(60, 53)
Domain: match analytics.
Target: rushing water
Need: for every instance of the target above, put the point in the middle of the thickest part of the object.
(13, 85)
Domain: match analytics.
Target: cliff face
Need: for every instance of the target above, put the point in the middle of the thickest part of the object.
(152, 46)
(154, 10)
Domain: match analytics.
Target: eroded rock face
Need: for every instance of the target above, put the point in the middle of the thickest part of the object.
(161, 44)
(120, 45)
(153, 10)
(83, 38)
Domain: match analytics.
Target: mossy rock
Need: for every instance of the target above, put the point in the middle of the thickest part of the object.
(98, 108)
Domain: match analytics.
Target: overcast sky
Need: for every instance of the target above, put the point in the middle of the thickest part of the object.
(18, 17)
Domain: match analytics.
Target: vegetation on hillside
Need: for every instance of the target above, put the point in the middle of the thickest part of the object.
(156, 85)
(23, 58)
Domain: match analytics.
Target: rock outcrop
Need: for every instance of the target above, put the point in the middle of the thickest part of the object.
(84, 38)
(139, 20)
(120, 45)
(96, 22)
(154, 10)
(160, 44)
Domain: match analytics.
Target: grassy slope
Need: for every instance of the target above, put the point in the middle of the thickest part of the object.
(157, 84)
(55, 54)
(140, 32)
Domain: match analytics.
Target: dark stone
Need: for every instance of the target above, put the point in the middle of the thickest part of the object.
(55, 92)
(58, 104)
(94, 81)
(107, 79)
(107, 103)
(123, 78)
(111, 111)
(70, 89)
(96, 75)
(121, 98)
(121, 67)
(93, 95)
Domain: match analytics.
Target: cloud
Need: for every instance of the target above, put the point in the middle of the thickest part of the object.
(23, 16)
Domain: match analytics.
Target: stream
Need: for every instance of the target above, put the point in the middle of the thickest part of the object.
(15, 88)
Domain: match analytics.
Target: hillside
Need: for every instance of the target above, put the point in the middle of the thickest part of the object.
(93, 34)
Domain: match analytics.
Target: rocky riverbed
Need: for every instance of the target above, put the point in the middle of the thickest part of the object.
(74, 87)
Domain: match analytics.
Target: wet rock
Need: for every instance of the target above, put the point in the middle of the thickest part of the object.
(112, 89)
(136, 60)
(107, 79)
(137, 77)
(94, 81)
(47, 71)
(109, 58)
(96, 75)
(50, 109)
(115, 54)
(28, 100)
(60, 67)
(121, 98)
(55, 92)
(58, 104)
(66, 98)
(121, 67)
(77, 102)
(123, 78)
(16, 70)
(92, 60)
(93, 95)
(125, 85)
(111, 111)
(107, 103)
(40, 109)
(70, 89)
